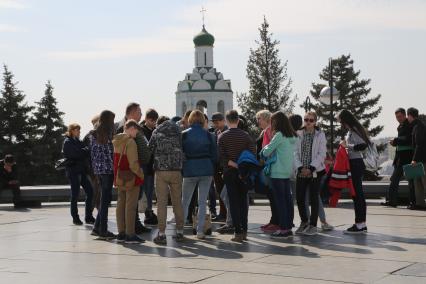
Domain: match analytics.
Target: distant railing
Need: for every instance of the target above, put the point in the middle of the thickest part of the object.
(61, 193)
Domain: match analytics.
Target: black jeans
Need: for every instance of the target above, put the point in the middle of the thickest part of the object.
(302, 185)
(397, 174)
(101, 223)
(238, 200)
(77, 179)
(357, 170)
(212, 199)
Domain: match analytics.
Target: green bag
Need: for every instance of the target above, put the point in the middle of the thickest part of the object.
(414, 172)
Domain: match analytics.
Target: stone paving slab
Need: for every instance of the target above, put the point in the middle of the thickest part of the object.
(42, 246)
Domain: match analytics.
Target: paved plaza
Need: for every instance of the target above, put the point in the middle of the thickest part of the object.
(42, 246)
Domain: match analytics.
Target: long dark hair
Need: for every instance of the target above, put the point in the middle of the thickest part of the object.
(349, 120)
(281, 123)
(105, 129)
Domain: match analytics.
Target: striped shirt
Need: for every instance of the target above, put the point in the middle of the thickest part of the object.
(232, 143)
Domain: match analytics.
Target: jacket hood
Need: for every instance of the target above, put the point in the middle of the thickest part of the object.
(168, 127)
(120, 140)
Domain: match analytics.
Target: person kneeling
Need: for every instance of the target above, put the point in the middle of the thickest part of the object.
(128, 177)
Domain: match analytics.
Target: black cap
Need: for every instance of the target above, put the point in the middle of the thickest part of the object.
(217, 116)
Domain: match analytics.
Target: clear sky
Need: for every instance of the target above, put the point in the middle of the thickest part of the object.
(104, 54)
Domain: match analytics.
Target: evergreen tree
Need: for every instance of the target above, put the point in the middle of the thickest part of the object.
(270, 86)
(354, 96)
(48, 137)
(14, 112)
(15, 129)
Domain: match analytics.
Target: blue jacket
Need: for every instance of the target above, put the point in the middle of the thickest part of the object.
(77, 155)
(200, 150)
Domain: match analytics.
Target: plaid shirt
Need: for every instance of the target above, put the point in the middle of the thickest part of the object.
(307, 141)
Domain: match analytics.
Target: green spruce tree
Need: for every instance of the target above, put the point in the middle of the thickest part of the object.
(48, 137)
(15, 129)
(355, 96)
(270, 86)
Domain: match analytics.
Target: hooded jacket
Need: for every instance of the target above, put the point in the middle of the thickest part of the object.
(127, 171)
(284, 149)
(319, 151)
(166, 147)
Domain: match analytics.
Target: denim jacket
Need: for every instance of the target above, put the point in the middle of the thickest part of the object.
(200, 150)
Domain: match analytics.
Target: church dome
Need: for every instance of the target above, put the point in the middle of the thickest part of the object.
(203, 38)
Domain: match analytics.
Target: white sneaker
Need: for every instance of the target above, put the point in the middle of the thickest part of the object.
(301, 228)
(310, 231)
(201, 236)
(326, 227)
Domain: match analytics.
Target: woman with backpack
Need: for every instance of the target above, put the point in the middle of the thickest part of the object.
(101, 151)
(199, 148)
(77, 154)
(356, 141)
(282, 145)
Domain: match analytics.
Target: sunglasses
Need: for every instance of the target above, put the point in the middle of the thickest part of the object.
(309, 120)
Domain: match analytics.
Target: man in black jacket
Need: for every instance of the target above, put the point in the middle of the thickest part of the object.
(148, 127)
(419, 155)
(403, 156)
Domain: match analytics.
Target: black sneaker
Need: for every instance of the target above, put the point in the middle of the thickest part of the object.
(355, 231)
(226, 230)
(107, 236)
(141, 229)
(179, 237)
(150, 218)
(77, 221)
(121, 237)
(90, 220)
(219, 218)
(95, 232)
(160, 240)
(134, 240)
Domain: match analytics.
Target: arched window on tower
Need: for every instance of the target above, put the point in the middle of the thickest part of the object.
(221, 107)
(205, 58)
(184, 108)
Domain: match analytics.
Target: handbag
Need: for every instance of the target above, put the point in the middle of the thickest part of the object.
(62, 164)
(125, 176)
(414, 172)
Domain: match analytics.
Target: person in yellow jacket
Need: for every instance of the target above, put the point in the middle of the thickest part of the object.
(128, 177)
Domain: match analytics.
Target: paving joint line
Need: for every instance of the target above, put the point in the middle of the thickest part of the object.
(265, 274)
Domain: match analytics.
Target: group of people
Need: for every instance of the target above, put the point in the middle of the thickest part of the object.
(410, 148)
(185, 159)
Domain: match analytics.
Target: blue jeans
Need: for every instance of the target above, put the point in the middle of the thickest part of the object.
(321, 211)
(225, 199)
(101, 223)
(148, 189)
(281, 190)
(188, 187)
(77, 179)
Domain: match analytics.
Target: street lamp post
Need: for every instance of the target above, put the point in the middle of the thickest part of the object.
(307, 104)
(328, 95)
